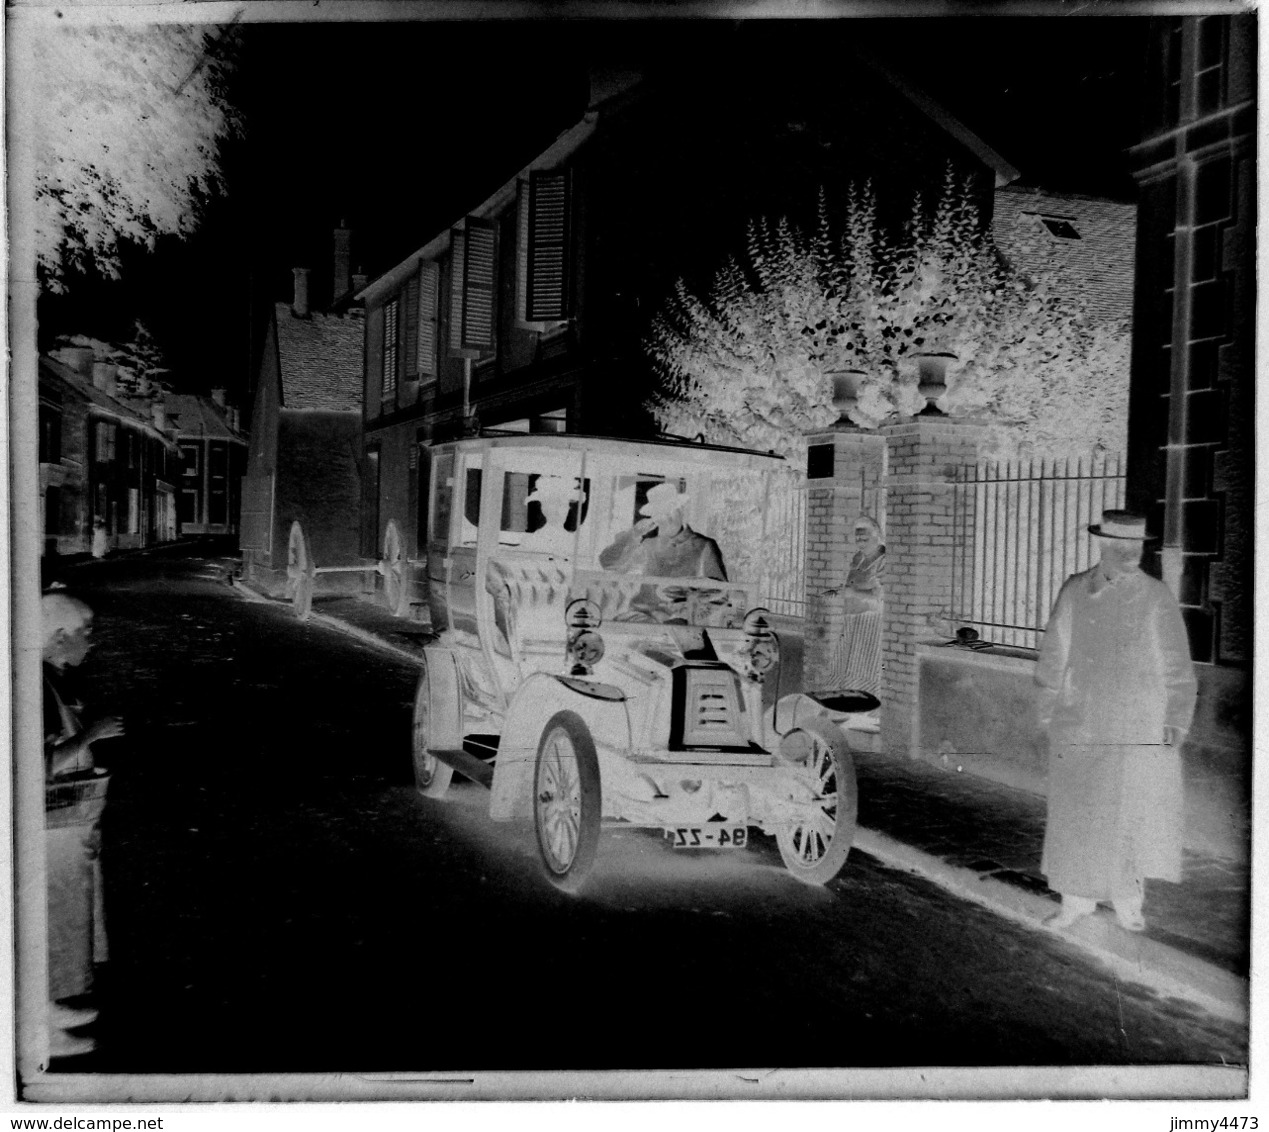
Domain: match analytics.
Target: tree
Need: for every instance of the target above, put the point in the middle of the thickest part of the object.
(127, 125)
(749, 363)
(142, 369)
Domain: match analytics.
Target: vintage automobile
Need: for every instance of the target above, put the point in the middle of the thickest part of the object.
(599, 660)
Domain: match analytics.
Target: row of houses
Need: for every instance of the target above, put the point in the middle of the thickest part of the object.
(124, 467)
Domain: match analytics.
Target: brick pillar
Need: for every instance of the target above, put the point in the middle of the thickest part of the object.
(924, 456)
(842, 464)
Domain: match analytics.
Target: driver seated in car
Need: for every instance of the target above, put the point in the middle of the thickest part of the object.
(662, 545)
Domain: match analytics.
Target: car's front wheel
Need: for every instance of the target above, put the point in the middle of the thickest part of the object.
(815, 845)
(566, 800)
(431, 776)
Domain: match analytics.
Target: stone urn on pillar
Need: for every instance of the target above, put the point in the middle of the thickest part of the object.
(845, 385)
(932, 379)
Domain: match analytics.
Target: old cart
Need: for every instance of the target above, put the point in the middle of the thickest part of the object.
(600, 660)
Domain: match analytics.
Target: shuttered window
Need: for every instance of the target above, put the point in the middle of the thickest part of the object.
(478, 286)
(410, 353)
(457, 261)
(545, 216)
(390, 350)
(429, 285)
(374, 359)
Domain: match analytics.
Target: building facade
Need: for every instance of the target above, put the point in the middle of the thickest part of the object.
(304, 460)
(529, 312)
(108, 465)
(1191, 464)
(212, 459)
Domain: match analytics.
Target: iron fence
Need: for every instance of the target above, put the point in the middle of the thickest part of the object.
(783, 572)
(1020, 529)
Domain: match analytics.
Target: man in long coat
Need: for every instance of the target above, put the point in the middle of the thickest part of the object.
(1117, 693)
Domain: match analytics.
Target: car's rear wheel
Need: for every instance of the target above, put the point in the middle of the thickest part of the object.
(431, 776)
(396, 589)
(566, 800)
(300, 571)
(814, 846)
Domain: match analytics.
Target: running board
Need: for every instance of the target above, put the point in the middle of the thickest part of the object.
(467, 765)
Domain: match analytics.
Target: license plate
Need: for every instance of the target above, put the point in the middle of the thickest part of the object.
(708, 836)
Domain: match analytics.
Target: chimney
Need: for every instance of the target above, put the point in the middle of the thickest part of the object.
(143, 386)
(299, 307)
(104, 376)
(343, 261)
(218, 396)
(158, 411)
(359, 282)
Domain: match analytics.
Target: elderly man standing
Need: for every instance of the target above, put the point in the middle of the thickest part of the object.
(1117, 693)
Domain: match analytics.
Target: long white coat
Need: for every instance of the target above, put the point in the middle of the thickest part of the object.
(1114, 671)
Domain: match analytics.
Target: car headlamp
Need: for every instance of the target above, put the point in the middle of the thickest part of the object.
(761, 649)
(585, 646)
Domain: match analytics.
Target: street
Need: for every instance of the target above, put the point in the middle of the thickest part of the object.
(279, 898)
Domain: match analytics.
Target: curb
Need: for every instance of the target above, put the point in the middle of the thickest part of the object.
(326, 621)
(365, 636)
(1166, 969)
(248, 594)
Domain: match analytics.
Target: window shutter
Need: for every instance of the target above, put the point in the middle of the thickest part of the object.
(374, 359)
(522, 251)
(410, 353)
(547, 275)
(429, 281)
(457, 256)
(478, 286)
(390, 350)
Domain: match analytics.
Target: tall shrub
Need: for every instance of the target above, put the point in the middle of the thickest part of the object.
(748, 363)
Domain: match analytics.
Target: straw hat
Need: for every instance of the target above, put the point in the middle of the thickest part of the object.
(1121, 525)
(662, 499)
(554, 487)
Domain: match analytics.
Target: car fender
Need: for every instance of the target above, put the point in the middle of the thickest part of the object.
(532, 707)
(795, 710)
(445, 699)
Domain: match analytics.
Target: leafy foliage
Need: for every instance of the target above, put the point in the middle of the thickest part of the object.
(127, 125)
(749, 363)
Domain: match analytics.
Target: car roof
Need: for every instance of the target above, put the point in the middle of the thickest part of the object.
(662, 446)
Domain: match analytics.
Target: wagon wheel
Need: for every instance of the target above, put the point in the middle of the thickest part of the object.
(396, 589)
(301, 572)
(566, 800)
(814, 848)
(431, 776)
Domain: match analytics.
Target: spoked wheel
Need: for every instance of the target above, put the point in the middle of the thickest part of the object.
(566, 800)
(431, 776)
(300, 572)
(814, 847)
(396, 590)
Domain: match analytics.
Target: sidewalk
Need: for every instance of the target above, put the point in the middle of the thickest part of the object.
(982, 841)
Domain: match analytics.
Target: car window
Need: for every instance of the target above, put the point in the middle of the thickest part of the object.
(443, 499)
(471, 506)
(542, 511)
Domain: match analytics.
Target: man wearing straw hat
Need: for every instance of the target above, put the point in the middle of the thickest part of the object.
(1117, 693)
